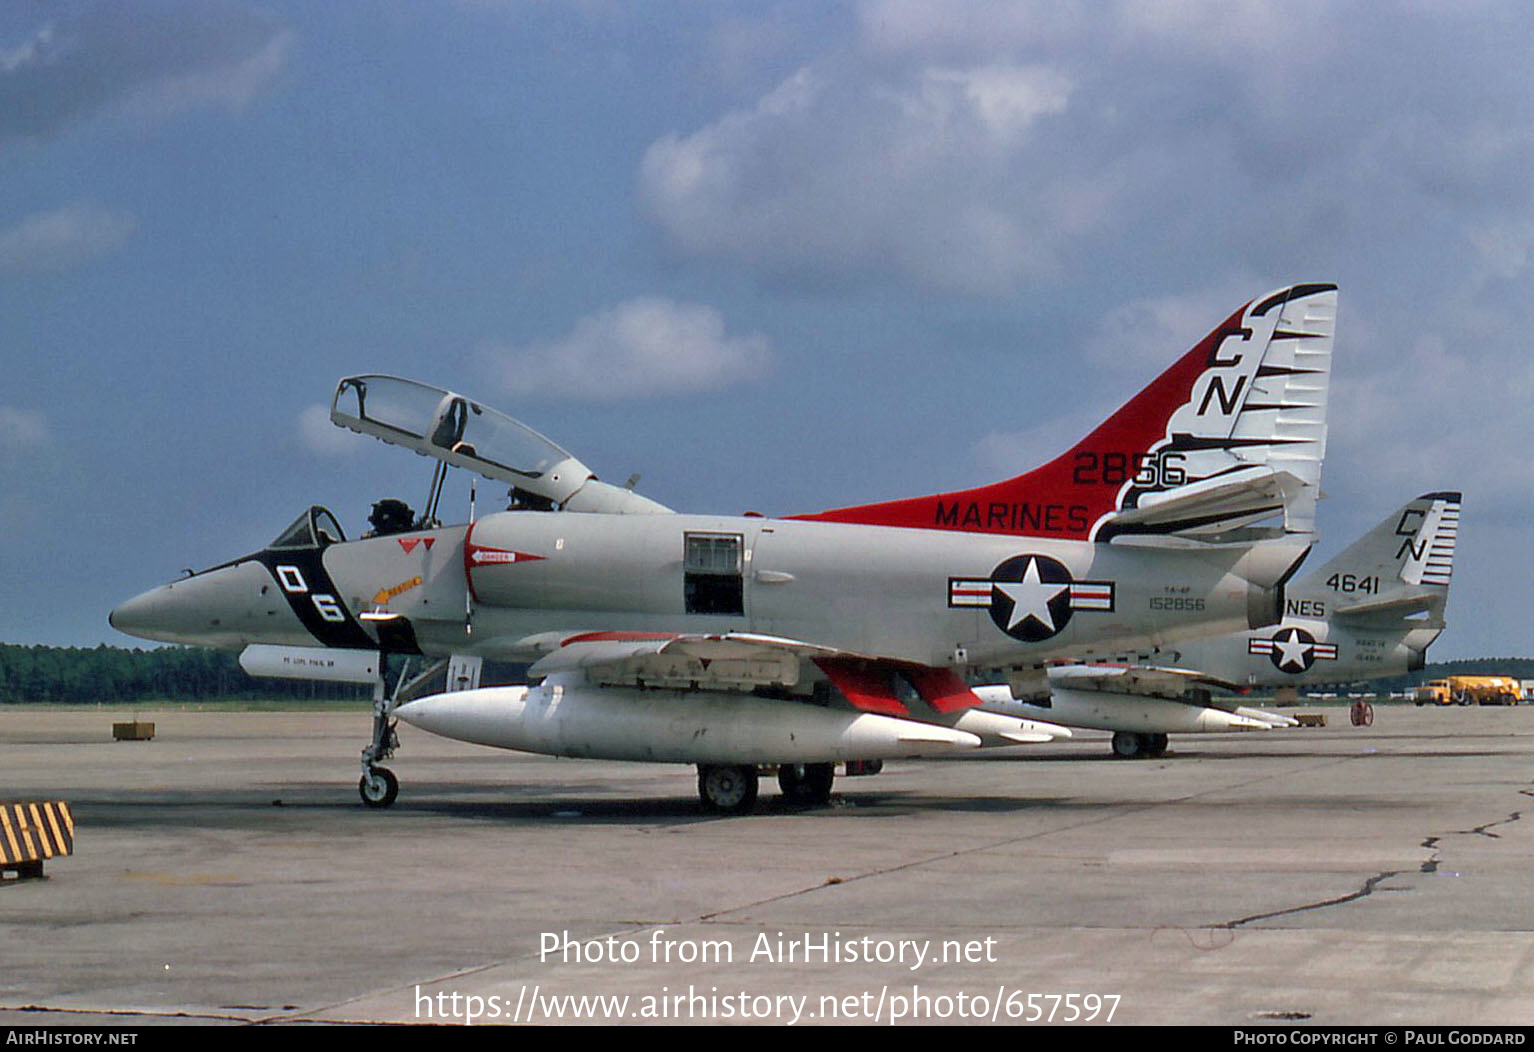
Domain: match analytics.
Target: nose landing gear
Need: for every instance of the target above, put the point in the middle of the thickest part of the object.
(378, 786)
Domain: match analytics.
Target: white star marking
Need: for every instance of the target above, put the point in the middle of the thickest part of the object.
(1292, 648)
(1030, 597)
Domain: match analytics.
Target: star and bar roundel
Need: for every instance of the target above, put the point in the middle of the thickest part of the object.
(1030, 597)
(1292, 650)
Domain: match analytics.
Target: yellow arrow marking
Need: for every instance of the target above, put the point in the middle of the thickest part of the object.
(385, 594)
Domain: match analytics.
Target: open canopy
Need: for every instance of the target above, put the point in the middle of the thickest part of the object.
(463, 433)
(458, 431)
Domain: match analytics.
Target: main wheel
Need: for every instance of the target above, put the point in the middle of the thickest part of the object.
(1157, 744)
(807, 783)
(727, 789)
(378, 787)
(1127, 745)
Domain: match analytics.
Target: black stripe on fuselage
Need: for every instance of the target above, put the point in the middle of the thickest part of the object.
(301, 577)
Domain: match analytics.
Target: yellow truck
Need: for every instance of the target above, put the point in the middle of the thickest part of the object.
(1467, 690)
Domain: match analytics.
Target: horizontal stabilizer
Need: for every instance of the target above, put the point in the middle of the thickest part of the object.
(1244, 496)
(1404, 605)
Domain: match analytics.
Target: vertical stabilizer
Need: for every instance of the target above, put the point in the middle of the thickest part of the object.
(1232, 433)
(1402, 566)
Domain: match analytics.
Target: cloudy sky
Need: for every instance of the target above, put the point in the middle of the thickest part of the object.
(772, 256)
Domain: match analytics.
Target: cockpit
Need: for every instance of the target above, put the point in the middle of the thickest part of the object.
(460, 432)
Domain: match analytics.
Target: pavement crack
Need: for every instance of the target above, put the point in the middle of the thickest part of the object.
(1432, 844)
(1485, 830)
(1368, 889)
(1431, 865)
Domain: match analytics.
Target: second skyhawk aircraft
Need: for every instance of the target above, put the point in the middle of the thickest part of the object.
(1370, 612)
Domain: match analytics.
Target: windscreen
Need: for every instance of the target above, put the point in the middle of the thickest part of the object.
(315, 528)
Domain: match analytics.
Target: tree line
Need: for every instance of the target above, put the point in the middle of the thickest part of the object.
(88, 675)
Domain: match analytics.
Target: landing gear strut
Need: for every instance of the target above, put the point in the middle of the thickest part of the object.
(808, 784)
(727, 789)
(378, 786)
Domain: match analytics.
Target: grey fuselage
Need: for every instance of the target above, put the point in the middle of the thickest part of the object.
(931, 597)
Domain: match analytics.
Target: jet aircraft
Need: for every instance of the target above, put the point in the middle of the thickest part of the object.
(845, 635)
(1370, 612)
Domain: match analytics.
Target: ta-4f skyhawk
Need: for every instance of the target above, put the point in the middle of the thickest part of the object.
(1368, 613)
(729, 642)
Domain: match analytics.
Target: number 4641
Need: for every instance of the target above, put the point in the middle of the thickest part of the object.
(1349, 583)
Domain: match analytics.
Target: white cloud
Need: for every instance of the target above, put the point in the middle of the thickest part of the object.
(154, 58)
(1005, 99)
(1154, 332)
(63, 238)
(1003, 454)
(1228, 30)
(837, 175)
(232, 82)
(321, 436)
(1438, 416)
(644, 346)
(988, 148)
(1503, 247)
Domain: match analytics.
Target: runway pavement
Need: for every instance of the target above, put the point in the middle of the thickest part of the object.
(227, 872)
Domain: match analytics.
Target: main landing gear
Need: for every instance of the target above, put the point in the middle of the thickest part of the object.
(1129, 745)
(808, 784)
(731, 789)
(727, 789)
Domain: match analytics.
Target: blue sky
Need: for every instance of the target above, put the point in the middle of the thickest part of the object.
(774, 256)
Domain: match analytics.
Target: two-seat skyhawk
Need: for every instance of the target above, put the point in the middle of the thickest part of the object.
(847, 635)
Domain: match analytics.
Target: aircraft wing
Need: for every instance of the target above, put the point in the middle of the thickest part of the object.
(744, 660)
(1160, 681)
(1143, 680)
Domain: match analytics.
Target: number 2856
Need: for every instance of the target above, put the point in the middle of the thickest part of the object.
(1154, 470)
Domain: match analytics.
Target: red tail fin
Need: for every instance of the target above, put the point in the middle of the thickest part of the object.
(1148, 446)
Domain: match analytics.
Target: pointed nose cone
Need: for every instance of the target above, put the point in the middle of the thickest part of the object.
(140, 616)
(226, 607)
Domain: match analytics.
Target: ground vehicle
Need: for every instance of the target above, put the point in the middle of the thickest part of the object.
(1467, 690)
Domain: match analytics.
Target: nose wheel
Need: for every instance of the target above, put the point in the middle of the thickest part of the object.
(378, 787)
